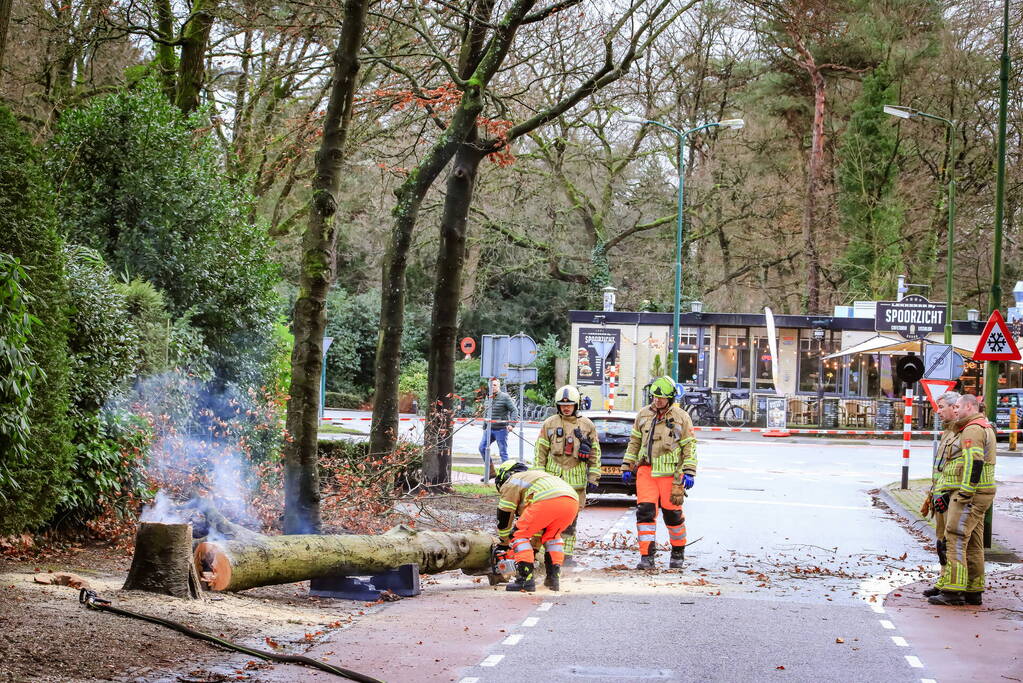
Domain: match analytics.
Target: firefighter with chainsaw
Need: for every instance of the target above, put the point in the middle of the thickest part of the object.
(533, 503)
(948, 451)
(661, 458)
(964, 492)
(568, 448)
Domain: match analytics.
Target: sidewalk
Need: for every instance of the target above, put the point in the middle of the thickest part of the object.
(967, 643)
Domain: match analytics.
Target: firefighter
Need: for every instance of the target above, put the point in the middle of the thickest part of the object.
(568, 448)
(661, 457)
(544, 505)
(965, 491)
(948, 450)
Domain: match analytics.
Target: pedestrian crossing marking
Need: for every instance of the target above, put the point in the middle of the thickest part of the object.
(914, 662)
(492, 660)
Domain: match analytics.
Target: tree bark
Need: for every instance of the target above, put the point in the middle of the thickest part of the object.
(165, 50)
(813, 172)
(239, 565)
(162, 562)
(192, 68)
(301, 479)
(444, 322)
(5, 22)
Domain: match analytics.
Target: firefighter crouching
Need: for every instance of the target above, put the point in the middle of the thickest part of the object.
(544, 505)
(568, 448)
(661, 455)
(965, 491)
(948, 452)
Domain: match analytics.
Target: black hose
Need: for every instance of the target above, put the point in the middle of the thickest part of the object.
(93, 601)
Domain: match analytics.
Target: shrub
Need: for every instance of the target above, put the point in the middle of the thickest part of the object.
(413, 378)
(28, 233)
(17, 371)
(139, 183)
(343, 400)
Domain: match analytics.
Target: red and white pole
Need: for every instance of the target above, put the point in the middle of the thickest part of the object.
(907, 432)
(613, 372)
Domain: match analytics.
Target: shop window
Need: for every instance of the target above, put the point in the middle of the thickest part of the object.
(763, 379)
(812, 369)
(732, 356)
(864, 375)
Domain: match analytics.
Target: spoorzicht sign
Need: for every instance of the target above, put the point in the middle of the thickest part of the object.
(912, 318)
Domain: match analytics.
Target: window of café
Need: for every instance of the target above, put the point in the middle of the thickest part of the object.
(763, 379)
(864, 375)
(688, 363)
(812, 369)
(731, 359)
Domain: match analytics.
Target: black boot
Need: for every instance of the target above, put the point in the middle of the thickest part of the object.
(552, 579)
(647, 561)
(524, 580)
(678, 557)
(948, 598)
(974, 597)
(931, 592)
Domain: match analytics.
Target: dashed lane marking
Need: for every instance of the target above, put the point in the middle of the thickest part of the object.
(513, 639)
(900, 641)
(544, 606)
(928, 680)
(887, 624)
(472, 679)
(877, 608)
(530, 622)
(914, 662)
(492, 660)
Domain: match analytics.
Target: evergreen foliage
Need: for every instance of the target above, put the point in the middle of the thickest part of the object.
(28, 233)
(144, 186)
(17, 371)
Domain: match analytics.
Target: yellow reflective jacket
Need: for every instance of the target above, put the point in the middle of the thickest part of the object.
(977, 450)
(665, 442)
(525, 488)
(550, 455)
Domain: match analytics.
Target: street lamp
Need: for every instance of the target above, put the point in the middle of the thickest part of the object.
(910, 113)
(681, 135)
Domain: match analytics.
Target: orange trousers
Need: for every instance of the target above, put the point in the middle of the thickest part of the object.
(547, 519)
(653, 493)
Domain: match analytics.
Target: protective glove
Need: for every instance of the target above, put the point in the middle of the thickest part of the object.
(626, 476)
(940, 502)
(585, 445)
(688, 481)
(591, 487)
(678, 494)
(925, 509)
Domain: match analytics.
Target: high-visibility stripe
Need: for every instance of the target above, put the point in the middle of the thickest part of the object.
(555, 544)
(677, 533)
(907, 424)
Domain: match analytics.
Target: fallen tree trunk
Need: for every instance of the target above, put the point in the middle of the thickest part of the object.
(268, 560)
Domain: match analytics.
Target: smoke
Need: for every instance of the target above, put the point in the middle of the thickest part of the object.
(209, 442)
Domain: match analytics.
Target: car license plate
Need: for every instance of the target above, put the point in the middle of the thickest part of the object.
(610, 469)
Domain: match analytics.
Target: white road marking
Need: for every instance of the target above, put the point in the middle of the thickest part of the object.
(877, 607)
(530, 622)
(887, 624)
(472, 679)
(914, 662)
(900, 641)
(492, 660)
(928, 680)
(544, 606)
(513, 639)
(862, 508)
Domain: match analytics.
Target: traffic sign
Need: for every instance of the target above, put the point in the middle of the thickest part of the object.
(996, 342)
(934, 388)
(942, 362)
(468, 345)
(494, 356)
(521, 350)
(521, 376)
(909, 369)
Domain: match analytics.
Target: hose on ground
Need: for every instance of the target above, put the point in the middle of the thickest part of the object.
(92, 601)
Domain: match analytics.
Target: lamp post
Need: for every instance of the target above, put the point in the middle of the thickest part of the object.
(910, 113)
(681, 135)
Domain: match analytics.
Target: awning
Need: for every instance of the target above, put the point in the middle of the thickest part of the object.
(889, 346)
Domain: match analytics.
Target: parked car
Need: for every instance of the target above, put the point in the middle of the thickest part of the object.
(1007, 399)
(613, 431)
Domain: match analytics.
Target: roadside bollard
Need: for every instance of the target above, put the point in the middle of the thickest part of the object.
(1013, 424)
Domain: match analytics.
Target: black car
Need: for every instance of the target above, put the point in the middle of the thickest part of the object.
(613, 431)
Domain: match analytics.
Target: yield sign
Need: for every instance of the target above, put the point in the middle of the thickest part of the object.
(996, 342)
(934, 388)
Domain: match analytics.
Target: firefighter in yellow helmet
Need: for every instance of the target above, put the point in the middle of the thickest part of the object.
(568, 448)
(661, 456)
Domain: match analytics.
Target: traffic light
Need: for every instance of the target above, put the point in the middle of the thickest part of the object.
(910, 369)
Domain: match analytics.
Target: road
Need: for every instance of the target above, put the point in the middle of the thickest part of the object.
(787, 570)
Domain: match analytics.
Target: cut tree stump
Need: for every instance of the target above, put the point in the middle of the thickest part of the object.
(162, 562)
(240, 564)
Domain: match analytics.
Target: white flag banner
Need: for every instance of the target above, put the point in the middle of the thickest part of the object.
(772, 343)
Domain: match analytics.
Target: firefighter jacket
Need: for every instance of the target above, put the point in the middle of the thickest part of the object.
(948, 450)
(557, 450)
(971, 469)
(525, 488)
(665, 442)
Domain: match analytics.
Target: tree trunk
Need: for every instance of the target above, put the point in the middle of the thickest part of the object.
(165, 51)
(192, 68)
(301, 479)
(444, 322)
(239, 565)
(5, 22)
(162, 562)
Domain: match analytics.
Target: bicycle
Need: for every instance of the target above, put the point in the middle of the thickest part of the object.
(698, 403)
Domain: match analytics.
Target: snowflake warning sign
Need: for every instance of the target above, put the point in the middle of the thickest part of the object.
(996, 341)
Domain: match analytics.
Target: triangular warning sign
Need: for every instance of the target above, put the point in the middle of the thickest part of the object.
(996, 342)
(934, 388)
